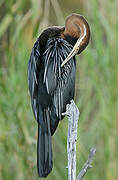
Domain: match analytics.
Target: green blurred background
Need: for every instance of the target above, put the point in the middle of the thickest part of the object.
(96, 88)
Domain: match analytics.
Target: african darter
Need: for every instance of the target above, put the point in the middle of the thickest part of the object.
(51, 79)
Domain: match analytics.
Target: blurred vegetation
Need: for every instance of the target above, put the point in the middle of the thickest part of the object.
(96, 88)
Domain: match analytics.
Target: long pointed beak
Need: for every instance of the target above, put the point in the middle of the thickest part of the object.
(72, 53)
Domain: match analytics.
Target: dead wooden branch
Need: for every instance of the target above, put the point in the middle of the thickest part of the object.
(73, 116)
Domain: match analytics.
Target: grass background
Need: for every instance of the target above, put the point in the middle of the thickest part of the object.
(96, 88)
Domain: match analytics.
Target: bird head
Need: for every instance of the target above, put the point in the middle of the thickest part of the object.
(78, 32)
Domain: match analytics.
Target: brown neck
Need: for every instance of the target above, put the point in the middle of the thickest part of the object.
(76, 28)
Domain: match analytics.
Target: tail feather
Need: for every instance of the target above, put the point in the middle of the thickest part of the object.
(44, 148)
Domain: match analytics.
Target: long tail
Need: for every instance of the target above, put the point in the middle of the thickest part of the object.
(44, 147)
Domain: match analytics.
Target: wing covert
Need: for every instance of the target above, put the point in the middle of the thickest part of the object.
(59, 81)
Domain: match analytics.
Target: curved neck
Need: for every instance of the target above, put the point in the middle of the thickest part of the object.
(77, 30)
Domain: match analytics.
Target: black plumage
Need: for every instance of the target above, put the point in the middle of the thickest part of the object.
(51, 89)
(51, 79)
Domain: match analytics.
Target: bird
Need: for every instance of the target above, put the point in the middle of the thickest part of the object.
(51, 80)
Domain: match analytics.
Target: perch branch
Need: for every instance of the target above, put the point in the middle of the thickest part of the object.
(73, 116)
(87, 164)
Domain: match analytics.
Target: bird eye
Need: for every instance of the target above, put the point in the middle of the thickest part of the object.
(77, 49)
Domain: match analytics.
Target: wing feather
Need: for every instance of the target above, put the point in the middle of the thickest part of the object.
(57, 80)
(33, 70)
